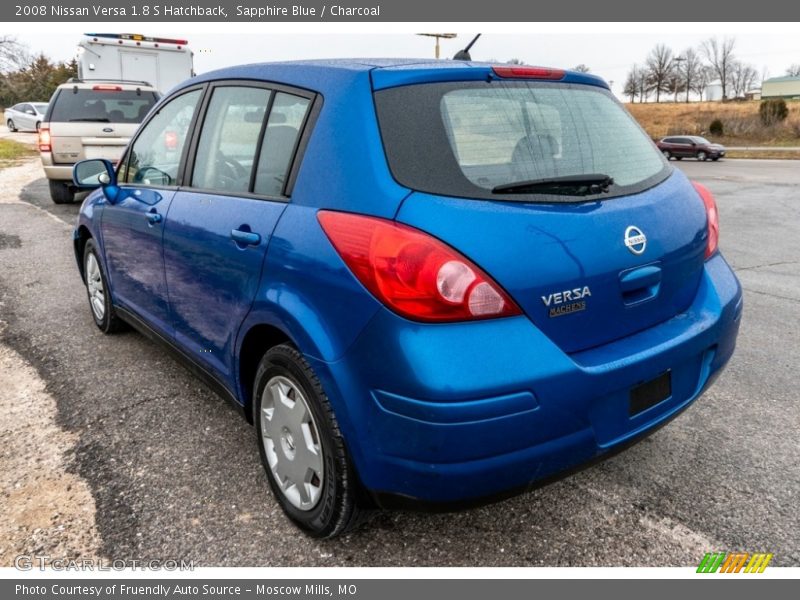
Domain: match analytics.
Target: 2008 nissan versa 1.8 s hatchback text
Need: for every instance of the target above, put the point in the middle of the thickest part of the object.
(425, 283)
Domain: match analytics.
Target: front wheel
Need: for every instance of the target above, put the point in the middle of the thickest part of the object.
(301, 447)
(11, 127)
(715, 159)
(702, 156)
(97, 290)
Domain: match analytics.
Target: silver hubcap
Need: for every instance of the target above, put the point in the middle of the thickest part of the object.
(94, 283)
(291, 443)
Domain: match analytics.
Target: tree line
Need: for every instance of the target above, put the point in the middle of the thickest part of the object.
(25, 77)
(678, 75)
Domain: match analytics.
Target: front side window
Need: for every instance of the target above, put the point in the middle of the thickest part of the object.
(227, 147)
(156, 154)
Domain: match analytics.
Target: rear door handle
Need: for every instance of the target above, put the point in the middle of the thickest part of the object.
(247, 238)
(153, 217)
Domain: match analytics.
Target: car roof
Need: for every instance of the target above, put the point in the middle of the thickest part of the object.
(88, 84)
(326, 74)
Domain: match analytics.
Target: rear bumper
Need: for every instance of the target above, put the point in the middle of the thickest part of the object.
(60, 172)
(451, 414)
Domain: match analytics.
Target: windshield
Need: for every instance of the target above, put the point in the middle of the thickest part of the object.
(102, 106)
(470, 138)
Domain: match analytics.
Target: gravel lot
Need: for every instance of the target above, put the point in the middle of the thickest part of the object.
(143, 461)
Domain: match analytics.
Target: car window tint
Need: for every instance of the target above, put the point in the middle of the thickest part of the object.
(280, 140)
(227, 147)
(156, 153)
(102, 106)
(26, 107)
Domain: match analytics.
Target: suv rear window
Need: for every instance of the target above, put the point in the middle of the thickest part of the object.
(101, 106)
(466, 138)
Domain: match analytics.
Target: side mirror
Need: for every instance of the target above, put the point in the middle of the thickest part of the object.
(94, 173)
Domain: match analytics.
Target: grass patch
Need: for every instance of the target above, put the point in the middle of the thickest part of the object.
(12, 152)
(741, 124)
(772, 154)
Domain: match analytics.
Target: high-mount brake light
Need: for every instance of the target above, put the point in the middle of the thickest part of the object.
(713, 217)
(522, 72)
(413, 273)
(106, 88)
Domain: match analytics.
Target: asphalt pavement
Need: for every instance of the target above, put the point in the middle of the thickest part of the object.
(174, 472)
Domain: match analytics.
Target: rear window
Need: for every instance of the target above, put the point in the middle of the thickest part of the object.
(466, 138)
(125, 106)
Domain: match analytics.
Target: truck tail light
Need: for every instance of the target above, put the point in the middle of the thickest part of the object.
(713, 217)
(107, 88)
(44, 139)
(413, 273)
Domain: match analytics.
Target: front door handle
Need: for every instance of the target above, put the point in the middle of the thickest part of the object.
(153, 217)
(245, 238)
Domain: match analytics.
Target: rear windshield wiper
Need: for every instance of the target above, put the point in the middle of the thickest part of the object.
(91, 120)
(586, 184)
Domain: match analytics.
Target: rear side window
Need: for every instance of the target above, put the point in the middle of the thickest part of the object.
(101, 106)
(227, 147)
(280, 142)
(466, 138)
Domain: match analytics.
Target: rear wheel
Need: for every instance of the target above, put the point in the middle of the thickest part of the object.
(38, 125)
(667, 154)
(301, 447)
(702, 156)
(11, 126)
(678, 158)
(60, 192)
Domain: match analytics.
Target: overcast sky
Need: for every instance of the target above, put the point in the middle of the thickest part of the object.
(609, 55)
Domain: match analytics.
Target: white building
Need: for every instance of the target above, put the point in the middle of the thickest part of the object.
(713, 91)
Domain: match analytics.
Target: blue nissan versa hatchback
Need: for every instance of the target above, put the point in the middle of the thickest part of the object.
(425, 283)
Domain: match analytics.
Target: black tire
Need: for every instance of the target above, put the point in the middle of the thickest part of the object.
(11, 127)
(715, 159)
(60, 192)
(109, 322)
(702, 156)
(339, 508)
(38, 125)
(678, 158)
(667, 154)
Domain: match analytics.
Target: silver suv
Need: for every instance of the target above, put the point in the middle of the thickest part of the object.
(89, 119)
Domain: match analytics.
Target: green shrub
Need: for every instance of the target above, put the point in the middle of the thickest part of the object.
(716, 127)
(773, 110)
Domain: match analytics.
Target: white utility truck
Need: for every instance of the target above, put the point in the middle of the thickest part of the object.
(161, 62)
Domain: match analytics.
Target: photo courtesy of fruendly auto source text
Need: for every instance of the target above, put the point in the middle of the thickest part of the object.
(377, 300)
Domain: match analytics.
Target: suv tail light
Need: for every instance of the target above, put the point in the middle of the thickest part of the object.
(713, 217)
(44, 139)
(413, 273)
(107, 88)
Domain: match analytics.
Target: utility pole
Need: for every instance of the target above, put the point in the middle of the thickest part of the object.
(438, 36)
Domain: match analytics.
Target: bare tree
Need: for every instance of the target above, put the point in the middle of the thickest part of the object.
(659, 69)
(632, 83)
(704, 76)
(13, 55)
(743, 77)
(581, 68)
(719, 53)
(691, 71)
(794, 70)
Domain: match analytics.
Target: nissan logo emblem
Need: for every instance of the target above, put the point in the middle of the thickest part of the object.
(635, 240)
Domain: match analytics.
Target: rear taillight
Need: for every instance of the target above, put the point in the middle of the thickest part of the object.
(107, 88)
(713, 217)
(44, 139)
(520, 72)
(412, 272)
